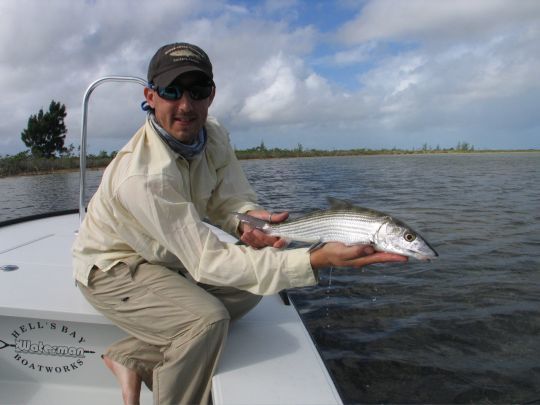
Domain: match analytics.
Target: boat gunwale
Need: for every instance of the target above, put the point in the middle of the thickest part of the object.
(35, 217)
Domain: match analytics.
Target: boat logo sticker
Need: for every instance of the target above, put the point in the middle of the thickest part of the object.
(47, 347)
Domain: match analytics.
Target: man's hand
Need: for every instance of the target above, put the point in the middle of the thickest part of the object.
(340, 255)
(258, 239)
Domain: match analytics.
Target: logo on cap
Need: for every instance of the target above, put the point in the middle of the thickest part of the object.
(181, 52)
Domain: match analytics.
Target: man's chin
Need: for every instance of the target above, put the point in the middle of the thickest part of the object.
(184, 133)
(185, 137)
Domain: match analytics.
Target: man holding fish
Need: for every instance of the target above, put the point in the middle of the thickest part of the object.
(144, 258)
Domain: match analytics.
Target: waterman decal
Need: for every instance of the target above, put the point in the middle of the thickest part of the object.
(26, 346)
(47, 347)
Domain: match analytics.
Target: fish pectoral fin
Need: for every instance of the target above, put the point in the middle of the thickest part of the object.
(287, 241)
(316, 246)
(252, 221)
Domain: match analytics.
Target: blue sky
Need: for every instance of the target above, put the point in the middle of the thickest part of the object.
(325, 74)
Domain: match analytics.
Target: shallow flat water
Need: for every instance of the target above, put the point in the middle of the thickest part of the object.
(462, 329)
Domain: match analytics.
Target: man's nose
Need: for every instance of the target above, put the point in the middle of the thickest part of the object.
(185, 102)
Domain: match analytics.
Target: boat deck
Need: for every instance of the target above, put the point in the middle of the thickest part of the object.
(51, 338)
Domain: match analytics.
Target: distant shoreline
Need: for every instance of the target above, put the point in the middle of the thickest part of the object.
(13, 166)
(243, 155)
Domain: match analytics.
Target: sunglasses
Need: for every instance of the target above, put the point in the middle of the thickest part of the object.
(197, 91)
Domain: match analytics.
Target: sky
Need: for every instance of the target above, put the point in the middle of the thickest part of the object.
(338, 74)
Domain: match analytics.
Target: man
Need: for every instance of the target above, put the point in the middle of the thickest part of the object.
(144, 258)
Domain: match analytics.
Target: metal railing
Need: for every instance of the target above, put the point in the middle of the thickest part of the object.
(86, 98)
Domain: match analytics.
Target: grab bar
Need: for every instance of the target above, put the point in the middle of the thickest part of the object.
(88, 92)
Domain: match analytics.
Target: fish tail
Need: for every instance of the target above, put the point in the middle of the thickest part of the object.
(252, 221)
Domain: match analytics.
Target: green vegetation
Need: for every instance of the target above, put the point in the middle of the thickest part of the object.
(24, 163)
(46, 132)
(262, 152)
(45, 136)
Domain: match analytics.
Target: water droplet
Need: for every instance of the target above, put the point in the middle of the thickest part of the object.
(328, 294)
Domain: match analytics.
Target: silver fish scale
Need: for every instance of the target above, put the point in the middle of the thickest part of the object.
(346, 226)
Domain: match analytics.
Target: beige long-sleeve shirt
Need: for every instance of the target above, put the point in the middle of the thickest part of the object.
(149, 207)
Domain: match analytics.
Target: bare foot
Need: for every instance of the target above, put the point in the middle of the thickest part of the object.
(129, 381)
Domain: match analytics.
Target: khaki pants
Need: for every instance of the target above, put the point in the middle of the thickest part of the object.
(177, 328)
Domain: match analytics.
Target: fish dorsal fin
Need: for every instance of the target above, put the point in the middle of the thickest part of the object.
(337, 204)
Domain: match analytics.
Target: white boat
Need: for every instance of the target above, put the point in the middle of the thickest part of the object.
(51, 339)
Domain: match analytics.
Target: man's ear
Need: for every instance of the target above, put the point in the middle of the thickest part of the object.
(149, 94)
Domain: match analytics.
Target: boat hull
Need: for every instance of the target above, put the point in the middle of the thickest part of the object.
(51, 338)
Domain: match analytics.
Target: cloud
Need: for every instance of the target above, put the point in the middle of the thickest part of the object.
(279, 87)
(352, 56)
(70, 44)
(285, 92)
(428, 21)
(388, 73)
(468, 93)
(54, 49)
(455, 67)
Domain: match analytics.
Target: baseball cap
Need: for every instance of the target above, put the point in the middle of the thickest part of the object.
(170, 61)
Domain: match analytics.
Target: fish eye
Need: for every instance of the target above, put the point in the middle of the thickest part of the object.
(409, 237)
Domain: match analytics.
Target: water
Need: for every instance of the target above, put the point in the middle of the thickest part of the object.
(462, 329)
(28, 195)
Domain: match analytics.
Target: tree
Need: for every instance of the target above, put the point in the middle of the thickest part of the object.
(46, 132)
(261, 147)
